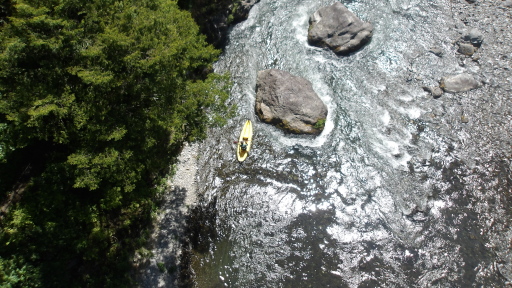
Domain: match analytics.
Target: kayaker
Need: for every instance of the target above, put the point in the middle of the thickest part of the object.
(243, 145)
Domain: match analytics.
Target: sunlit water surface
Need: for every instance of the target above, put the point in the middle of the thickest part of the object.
(393, 193)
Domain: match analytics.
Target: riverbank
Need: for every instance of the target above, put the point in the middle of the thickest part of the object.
(158, 265)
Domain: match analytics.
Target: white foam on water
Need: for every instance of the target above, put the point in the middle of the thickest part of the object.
(319, 57)
(300, 23)
(437, 206)
(392, 151)
(385, 117)
(343, 235)
(390, 62)
(411, 112)
(288, 203)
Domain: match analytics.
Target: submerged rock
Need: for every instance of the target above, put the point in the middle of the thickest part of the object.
(339, 29)
(459, 83)
(289, 102)
(436, 51)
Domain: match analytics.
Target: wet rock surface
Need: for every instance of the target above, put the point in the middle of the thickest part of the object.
(216, 19)
(289, 102)
(436, 51)
(435, 91)
(242, 10)
(338, 29)
(459, 83)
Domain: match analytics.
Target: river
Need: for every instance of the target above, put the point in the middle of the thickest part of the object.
(400, 189)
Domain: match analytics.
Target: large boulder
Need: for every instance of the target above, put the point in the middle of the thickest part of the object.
(216, 20)
(339, 29)
(289, 102)
(242, 9)
(459, 83)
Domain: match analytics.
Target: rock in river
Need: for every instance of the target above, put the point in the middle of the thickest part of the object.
(435, 91)
(475, 37)
(459, 83)
(466, 49)
(339, 29)
(289, 102)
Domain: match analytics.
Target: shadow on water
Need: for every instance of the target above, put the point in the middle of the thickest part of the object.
(314, 252)
(200, 234)
(472, 234)
(165, 242)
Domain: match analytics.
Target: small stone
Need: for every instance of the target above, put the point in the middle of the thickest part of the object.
(475, 37)
(435, 91)
(466, 49)
(464, 119)
(437, 51)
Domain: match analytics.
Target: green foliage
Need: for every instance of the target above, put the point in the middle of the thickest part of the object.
(161, 267)
(5, 10)
(320, 124)
(15, 272)
(96, 97)
(231, 16)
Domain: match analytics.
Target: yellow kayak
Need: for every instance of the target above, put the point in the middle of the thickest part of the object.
(244, 142)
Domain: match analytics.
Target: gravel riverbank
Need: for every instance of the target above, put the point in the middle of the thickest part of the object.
(157, 267)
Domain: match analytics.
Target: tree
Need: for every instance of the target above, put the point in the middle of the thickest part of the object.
(106, 92)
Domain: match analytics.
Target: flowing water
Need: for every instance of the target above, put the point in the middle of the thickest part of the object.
(400, 189)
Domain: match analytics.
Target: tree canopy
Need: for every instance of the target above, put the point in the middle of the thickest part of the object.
(96, 97)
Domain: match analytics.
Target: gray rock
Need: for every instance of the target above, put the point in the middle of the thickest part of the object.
(508, 4)
(219, 19)
(459, 83)
(289, 102)
(338, 29)
(466, 49)
(436, 51)
(242, 10)
(474, 37)
(435, 91)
